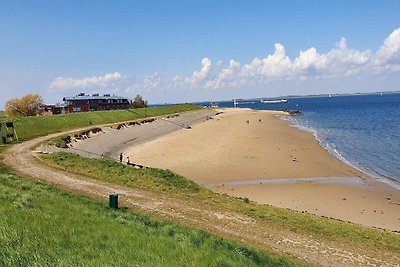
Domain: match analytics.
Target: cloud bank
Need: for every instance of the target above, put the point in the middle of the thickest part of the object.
(70, 83)
(341, 61)
(310, 65)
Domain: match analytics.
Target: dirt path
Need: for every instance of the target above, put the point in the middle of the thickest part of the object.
(229, 224)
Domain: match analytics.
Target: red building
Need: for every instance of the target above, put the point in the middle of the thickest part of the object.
(95, 102)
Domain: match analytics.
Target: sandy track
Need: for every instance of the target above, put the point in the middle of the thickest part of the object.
(234, 225)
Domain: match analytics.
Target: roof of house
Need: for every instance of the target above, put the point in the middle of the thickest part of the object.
(82, 96)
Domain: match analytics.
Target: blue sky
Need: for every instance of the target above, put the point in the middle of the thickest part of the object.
(181, 51)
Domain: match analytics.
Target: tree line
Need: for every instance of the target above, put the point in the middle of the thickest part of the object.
(31, 105)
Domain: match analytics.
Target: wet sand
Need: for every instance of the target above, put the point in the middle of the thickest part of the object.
(256, 155)
(369, 203)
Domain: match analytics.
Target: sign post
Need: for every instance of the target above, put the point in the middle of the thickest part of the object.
(10, 132)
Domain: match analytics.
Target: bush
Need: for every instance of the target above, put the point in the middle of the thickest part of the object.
(28, 105)
(139, 102)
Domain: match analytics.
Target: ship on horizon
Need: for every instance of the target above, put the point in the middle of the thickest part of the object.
(275, 101)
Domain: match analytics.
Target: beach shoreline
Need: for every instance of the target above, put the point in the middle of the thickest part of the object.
(335, 153)
(277, 136)
(248, 146)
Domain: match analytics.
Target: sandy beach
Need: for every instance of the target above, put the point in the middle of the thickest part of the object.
(257, 155)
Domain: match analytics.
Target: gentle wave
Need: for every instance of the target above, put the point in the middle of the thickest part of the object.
(332, 149)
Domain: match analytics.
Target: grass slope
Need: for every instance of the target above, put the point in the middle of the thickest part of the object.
(166, 182)
(41, 225)
(31, 127)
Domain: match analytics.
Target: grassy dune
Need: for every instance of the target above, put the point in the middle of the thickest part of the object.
(166, 182)
(41, 225)
(30, 127)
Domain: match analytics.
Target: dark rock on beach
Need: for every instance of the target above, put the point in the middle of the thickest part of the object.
(293, 112)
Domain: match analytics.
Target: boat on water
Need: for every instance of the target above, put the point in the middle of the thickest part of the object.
(275, 101)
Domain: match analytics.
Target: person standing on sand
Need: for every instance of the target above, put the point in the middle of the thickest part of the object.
(128, 161)
(120, 157)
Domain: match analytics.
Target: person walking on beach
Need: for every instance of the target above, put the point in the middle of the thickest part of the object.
(120, 157)
(128, 161)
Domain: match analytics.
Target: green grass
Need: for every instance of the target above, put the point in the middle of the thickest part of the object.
(41, 225)
(31, 127)
(166, 182)
(155, 180)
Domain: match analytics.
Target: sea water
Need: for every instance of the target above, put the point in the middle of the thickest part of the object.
(361, 130)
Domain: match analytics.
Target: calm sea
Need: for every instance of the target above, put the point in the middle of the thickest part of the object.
(362, 130)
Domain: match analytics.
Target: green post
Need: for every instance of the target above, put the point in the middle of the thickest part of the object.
(113, 201)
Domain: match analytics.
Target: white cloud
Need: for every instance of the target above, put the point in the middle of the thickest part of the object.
(200, 75)
(70, 83)
(195, 80)
(309, 64)
(341, 62)
(227, 76)
(275, 66)
(388, 55)
(151, 81)
(309, 60)
(342, 59)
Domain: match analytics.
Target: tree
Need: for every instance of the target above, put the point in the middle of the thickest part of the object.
(28, 105)
(139, 102)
